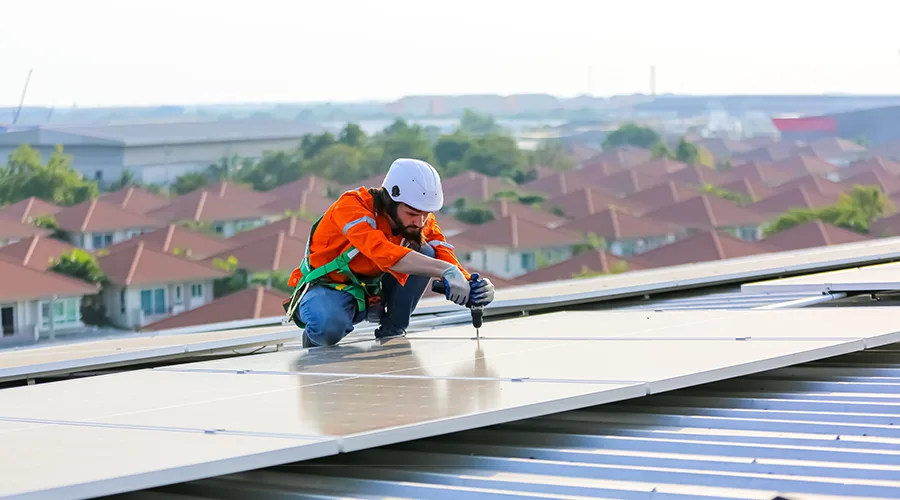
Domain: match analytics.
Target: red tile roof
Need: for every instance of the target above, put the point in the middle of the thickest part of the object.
(613, 224)
(754, 189)
(798, 197)
(28, 209)
(21, 283)
(708, 212)
(877, 163)
(770, 153)
(551, 185)
(698, 175)
(254, 302)
(660, 167)
(205, 206)
(275, 252)
(591, 200)
(504, 208)
(515, 232)
(830, 147)
(812, 234)
(804, 164)
(144, 264)
(474, 186)
(599, 168)
(813, 183)
(629, 181)
(237, 193)
(135, 200)
(663, 195)
(701, 247)
(294, 227)
(591, 261)
(888, 183)
(758, 171)
(886, 227)
(98, 215)
(627, 156)
(313, 183)
(310, 202)
(37, 251)
(14, 229)
(172, 238)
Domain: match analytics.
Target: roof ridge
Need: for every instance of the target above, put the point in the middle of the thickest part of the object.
(128, 192)
(718, 244)
(709, 210)
(279, 247)
(170, 233)
(89, 214)
(134, 262)
(200, 204)
(258, 303)
(31, 246)
(614, 218)
(28, 208)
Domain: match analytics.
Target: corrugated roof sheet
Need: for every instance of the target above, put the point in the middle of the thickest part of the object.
(823, 429)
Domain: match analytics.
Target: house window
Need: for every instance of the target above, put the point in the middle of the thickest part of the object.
(65, 312)
(153, 301)
(122, 301)
(196, 291)
(102, 240)
(8, 317)
(528, 261)
(178, 294)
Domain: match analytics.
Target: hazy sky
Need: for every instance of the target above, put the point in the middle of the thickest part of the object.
(113, 52)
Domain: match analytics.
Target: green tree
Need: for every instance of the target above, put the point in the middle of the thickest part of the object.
(25, 175)
(352, 135)
(81, 265)
(275, 168)
(474, 123)
(686, 152)
(311, 144)
(660, 150)
(495, 156)
(126, 179)
(551, 154)
(854, 211)
(238, 280)
(339, 162)
(739, 198)
(449, 150)
(617, 268)
(631, 134)
(189, 182)
(400, 140)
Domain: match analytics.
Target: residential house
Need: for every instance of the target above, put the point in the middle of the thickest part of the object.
(801, 165)
(312, 183)
(696, 175)
(272, 253)
(754, 190)
(29, 209)
(512, 246)
(97, 224)
(628, 182)
(626, 156)
(762, 172)
(255, 302)
(888, 183)
(708, 212)
(37, 252)
(886, 226)
(812, 234)
(834, 150)
(876, 163)
(13, 230)
(226, 208)
(799, 197)
(147, 284)
(815, 183)
(590, 200)
(599, 167)
(179, 240)
(586, 262)
(474, 186)
(504, 208)
(295, 227)
(309, 203)
(703, 246)
(662, 195)
(770, 153)
(550, 186)
(36, 303)
(626, 234)
(722, 148)
(660, 167)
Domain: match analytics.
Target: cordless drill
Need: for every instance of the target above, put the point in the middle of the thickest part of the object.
(437, 286)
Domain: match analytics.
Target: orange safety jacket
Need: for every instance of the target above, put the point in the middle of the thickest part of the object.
(352, 221)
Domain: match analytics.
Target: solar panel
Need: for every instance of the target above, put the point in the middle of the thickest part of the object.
(635, 283)
(876, 278)
(69, 357)
(375, 393)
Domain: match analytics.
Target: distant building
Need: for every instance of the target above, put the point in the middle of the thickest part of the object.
(158, 152)
(875, 126)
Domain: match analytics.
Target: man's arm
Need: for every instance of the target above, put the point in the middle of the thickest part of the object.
(443, 250)
(358, 225)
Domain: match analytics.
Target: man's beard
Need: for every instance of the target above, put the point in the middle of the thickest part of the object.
(412, 234)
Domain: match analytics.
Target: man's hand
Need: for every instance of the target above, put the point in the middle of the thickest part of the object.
(456, 285)
(482, 292)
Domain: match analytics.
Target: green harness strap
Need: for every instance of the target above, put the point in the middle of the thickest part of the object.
(318, 275)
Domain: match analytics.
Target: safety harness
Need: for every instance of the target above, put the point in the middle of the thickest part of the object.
(365, 292)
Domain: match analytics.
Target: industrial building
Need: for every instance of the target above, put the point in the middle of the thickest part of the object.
(158, 153)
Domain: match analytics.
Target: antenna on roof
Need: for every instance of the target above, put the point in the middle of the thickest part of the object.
(22, 99)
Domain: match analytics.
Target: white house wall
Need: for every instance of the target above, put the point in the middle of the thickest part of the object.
(509, 264)
(133, 317)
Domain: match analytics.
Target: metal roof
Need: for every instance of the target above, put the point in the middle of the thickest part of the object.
(826, 428)
(165, 133)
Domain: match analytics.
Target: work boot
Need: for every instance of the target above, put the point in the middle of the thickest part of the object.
(306, 342)
(384, 333)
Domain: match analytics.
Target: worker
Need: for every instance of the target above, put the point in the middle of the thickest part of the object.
(371, 256)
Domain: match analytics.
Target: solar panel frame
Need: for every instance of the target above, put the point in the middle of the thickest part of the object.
(875, 278)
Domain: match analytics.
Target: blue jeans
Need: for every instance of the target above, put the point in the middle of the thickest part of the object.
(330, 314)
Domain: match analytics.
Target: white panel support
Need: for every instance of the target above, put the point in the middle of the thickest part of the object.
(806, 301)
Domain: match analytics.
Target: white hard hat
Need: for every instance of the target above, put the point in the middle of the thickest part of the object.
(415, 183)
